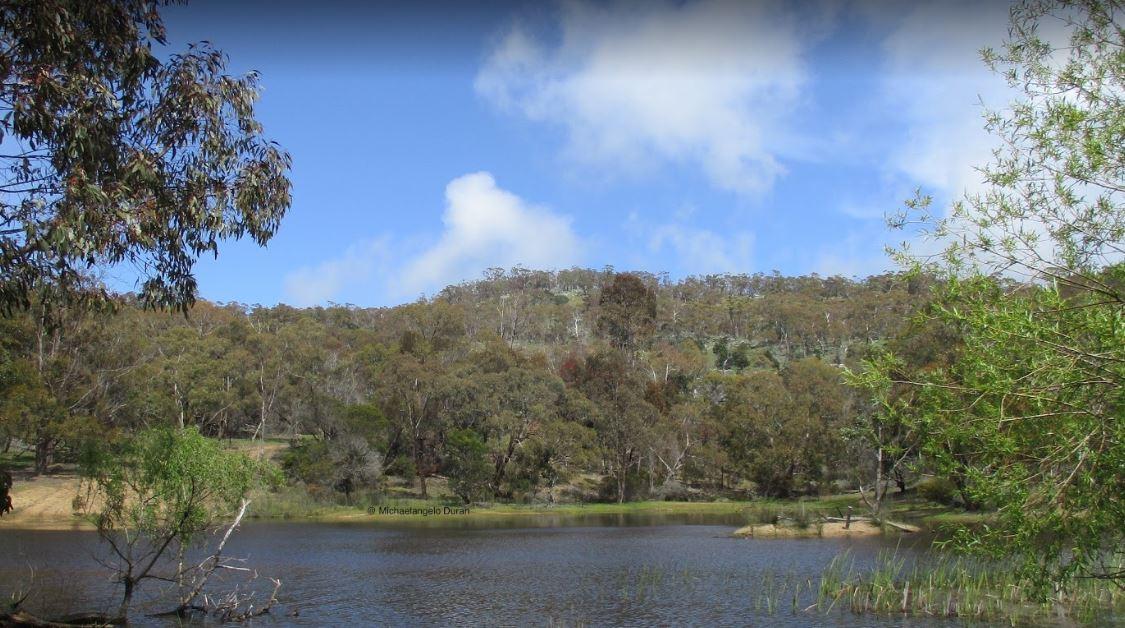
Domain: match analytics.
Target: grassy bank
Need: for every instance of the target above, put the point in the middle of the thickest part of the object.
(295, 503)
(44, 502)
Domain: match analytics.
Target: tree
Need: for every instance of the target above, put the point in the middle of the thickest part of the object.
(64, 368)
(1034, 282)
(5, 487)
(410, 393)
(757, 414)
(466, 464)
(885, 434)
(627, 311)
(156, 493)
(522, 401)
(113, 155)
(622, 419)
(355, 464)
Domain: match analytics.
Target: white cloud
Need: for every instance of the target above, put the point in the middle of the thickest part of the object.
(935, 82)
(853, 255)
(938, 88)
(690, 250)
(703, 251)
(311, 285)
(486, 226)
(635, 84)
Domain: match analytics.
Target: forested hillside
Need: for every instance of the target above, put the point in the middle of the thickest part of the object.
(513, 387)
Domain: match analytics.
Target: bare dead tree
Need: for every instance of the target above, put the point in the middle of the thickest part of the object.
(234, 605)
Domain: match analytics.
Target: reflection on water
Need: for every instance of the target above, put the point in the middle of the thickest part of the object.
(568, 519)
(588, 570)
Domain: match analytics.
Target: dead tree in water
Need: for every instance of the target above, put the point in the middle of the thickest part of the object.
(233, 606)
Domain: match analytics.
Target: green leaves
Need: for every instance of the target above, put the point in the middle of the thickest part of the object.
(129, 159)
(1030, 409)
(168, 483)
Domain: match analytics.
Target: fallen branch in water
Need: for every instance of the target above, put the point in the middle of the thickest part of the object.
(227, 608)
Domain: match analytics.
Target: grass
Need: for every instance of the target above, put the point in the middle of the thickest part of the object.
(801, 513)
(291, 502)
(295, 502)
(17, 460)
(942, 585)
(938, 585)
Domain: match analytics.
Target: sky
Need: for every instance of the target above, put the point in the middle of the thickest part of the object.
(435, 140)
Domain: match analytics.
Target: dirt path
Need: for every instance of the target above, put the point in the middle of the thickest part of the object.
(44, 503)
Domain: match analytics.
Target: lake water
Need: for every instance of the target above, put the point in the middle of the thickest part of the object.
(615, 570)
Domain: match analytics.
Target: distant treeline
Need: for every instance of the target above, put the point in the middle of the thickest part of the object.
(513, 387)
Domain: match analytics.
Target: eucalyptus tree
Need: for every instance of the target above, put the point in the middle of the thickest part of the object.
(756, 413)
(523, 402)
(622, 419)
(114, 153)
(67, 371)
(627, 312)
(410, 395)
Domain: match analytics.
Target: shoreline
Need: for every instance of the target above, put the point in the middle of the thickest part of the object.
(46, 503)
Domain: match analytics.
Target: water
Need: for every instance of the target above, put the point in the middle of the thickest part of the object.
(602, 570)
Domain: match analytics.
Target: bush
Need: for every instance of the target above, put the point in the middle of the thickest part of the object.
(307, 461)
(636, 485)
(466, 464)
(345, 464)
(940, 490)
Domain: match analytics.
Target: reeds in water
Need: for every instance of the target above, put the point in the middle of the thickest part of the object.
(953, 586)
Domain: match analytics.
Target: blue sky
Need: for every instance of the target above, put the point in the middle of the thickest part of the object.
(693, 137)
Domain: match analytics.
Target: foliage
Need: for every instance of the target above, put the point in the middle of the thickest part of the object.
(162, 490)
(355, 464)
(557, 410)
(308, 461)
(937, 489)
(1030, 406)
(951, 586)
(466, 465)
(627, 314)
(115, 155)
(346, 464)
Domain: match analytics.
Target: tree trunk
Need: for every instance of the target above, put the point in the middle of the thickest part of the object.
(127, 598)
(418, 467)
(502, 464)
(963, 491)
(43, 450)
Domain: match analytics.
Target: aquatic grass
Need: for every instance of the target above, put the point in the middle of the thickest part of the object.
(894, 584)
(955, 586)
(764, 514)
(802, 517)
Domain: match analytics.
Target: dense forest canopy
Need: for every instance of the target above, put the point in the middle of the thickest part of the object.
(522, 381)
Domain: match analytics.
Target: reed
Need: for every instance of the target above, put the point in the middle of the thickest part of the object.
(955, 586)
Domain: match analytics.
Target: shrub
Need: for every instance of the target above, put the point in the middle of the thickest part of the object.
(939, 490)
